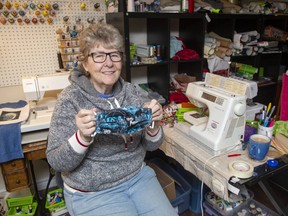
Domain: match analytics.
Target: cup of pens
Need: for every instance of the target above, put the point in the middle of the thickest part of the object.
(267, 131)
(266, 123)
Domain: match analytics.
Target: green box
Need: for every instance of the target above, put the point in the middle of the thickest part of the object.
(19, 201)
(180, 113)
(24, 208)
(55, 205)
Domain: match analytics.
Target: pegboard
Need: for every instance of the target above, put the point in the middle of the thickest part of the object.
(31, 49)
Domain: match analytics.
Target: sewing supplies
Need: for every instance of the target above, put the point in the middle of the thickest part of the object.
(266, 116)
(54, 197)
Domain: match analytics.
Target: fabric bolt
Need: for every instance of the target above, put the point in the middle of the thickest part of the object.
(175, 46)
(143, 188)
(10, 135)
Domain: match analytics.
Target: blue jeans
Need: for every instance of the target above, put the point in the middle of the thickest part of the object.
(141, 195)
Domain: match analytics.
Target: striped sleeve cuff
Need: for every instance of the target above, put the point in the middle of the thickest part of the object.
(154, 136)
(78, 144)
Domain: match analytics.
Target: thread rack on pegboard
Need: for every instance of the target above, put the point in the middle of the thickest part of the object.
(29, 42)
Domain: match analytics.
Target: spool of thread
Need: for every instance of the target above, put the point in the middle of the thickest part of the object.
(238, 46)
(191, 6)
(130, 6)
(244, 38)
(236, 38)
(251, 33)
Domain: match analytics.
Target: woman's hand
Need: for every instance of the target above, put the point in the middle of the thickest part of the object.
(157, 115)
(85, 121)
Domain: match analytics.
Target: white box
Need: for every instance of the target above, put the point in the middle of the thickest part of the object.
(143, 50)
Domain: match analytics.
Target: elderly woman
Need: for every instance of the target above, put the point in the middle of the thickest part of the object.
(104, 174)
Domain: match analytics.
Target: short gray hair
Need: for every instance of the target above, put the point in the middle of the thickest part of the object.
(98, 34)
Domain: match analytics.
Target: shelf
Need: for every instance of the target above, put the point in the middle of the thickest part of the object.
(156, 29)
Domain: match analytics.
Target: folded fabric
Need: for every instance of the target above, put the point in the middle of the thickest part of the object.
(10, 133)
(14, 112)
(10, 142)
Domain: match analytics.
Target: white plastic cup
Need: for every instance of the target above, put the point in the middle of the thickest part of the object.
(267, 131)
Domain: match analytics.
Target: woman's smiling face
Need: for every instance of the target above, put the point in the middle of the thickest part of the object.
(103, 75)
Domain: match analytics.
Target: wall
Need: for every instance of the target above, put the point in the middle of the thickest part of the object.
(28, 50)
(31, 49)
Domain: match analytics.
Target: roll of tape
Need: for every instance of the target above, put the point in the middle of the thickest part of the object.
(241, 169)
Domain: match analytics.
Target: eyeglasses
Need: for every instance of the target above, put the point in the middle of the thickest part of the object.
(101, 56)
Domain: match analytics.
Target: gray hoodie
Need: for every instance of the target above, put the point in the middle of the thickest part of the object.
(106, 163)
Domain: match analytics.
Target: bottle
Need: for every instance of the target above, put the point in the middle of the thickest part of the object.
(191, 6)
(184, 6)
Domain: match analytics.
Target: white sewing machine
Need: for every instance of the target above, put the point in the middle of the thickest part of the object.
(41, 92)
(226, 102)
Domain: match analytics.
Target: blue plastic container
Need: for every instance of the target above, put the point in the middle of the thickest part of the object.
(183, 188)
(195, 183)
(209, 210)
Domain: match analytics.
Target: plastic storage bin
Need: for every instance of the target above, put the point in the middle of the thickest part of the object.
(195, 183)
(253, 207)
(224, 207)
(21, 206)
(209, 210)
(245, 209)
(183, 189)
(24, 210)
(19, 201)
(56, 200)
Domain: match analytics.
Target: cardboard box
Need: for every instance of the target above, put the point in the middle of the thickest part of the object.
(166, 181)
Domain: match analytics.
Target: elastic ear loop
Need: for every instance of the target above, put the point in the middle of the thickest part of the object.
(94, 134)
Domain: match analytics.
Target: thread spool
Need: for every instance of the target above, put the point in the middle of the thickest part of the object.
(191, 6)
(237, 38)
(130, 6)
(244, 38)
(238, 46)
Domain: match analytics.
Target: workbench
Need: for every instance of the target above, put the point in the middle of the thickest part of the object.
(214, 171)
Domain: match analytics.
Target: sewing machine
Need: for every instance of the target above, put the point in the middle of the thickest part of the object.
(226, 102)
(41, 93)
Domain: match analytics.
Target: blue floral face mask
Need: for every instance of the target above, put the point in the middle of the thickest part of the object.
(126, 120)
